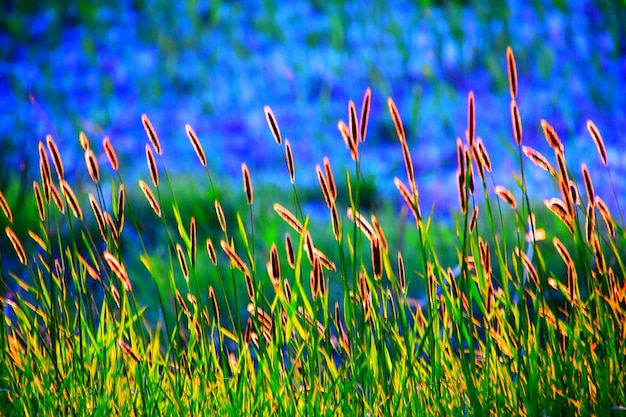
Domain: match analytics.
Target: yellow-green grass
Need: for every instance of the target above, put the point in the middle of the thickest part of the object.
(386, 311)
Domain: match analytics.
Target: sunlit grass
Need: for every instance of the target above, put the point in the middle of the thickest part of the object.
(157, 298)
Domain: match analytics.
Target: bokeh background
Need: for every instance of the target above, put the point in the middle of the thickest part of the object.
(67, 67)
(97, 66)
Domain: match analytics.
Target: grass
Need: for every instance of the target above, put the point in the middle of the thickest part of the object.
(156, 299)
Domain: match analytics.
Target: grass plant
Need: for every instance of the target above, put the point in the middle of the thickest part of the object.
(245, 303)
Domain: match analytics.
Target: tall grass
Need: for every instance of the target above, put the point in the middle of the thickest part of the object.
(529, 318)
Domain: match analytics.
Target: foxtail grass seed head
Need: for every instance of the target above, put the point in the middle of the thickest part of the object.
(182, 261)
(97, 212)
(461, 188)
(606, 215)
(56, 196)
(287, 289)
(39, 199)
(332, 186)
(590, 223)
(408, 165)
(249, 286)
(478, 159)
(290, 164)
(92, 166)
(91, 271)
(539, 160)
(147, 192)
(154, 172)
(550, 134)
(151, 133)
(485, 256)
(56, 156)
(469, 169)
(121, 204)
(512, 72)
(588, 183)
(83, 140)
(483, 155)
(353, 125)
(365, 112)
(557, 207)
(324, 187)
(220, 216)
(115, 232)
(326, 263)
(109, 150)
(308, 247)
(128, 351)
(44, 165)
(316, 278)
(471, 119)
(336, 224)
(409, 198)
(362, 223)
(247, 183)
(600, 260)
(118, 269)
(460, 157)
(271, 122)
(45, 181)
(291, 255)
(401, 274)
(473, 219)
(182, 303)
(379, 232)
(197, 146)
(275, 265)
(116, 295)
(345, 135)
(193, 241)
(506, 196)
(516, 122)
(211, 251)
(216, 309)
(528, 265)
(397, 121)
(5, 208)
(288, 217)
(597, 139)
(573, 190)
(71, 199)
(377, 258)
(235, 260)
(17, 245)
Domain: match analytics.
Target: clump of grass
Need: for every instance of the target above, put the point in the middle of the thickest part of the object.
(527, 319)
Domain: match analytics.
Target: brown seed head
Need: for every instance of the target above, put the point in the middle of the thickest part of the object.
(5, 208)
(72, 201)
(397, 121)
(247, 183)
(197, 146)
(154, 172)
(597, 138)
(512, 72)
(271, 121)
(17, 245)
(151, 133)
(506, 196)
(147, 192)
(56, 156)
(365, 111)
(110, 153)
(92, 166)
(516, 122)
